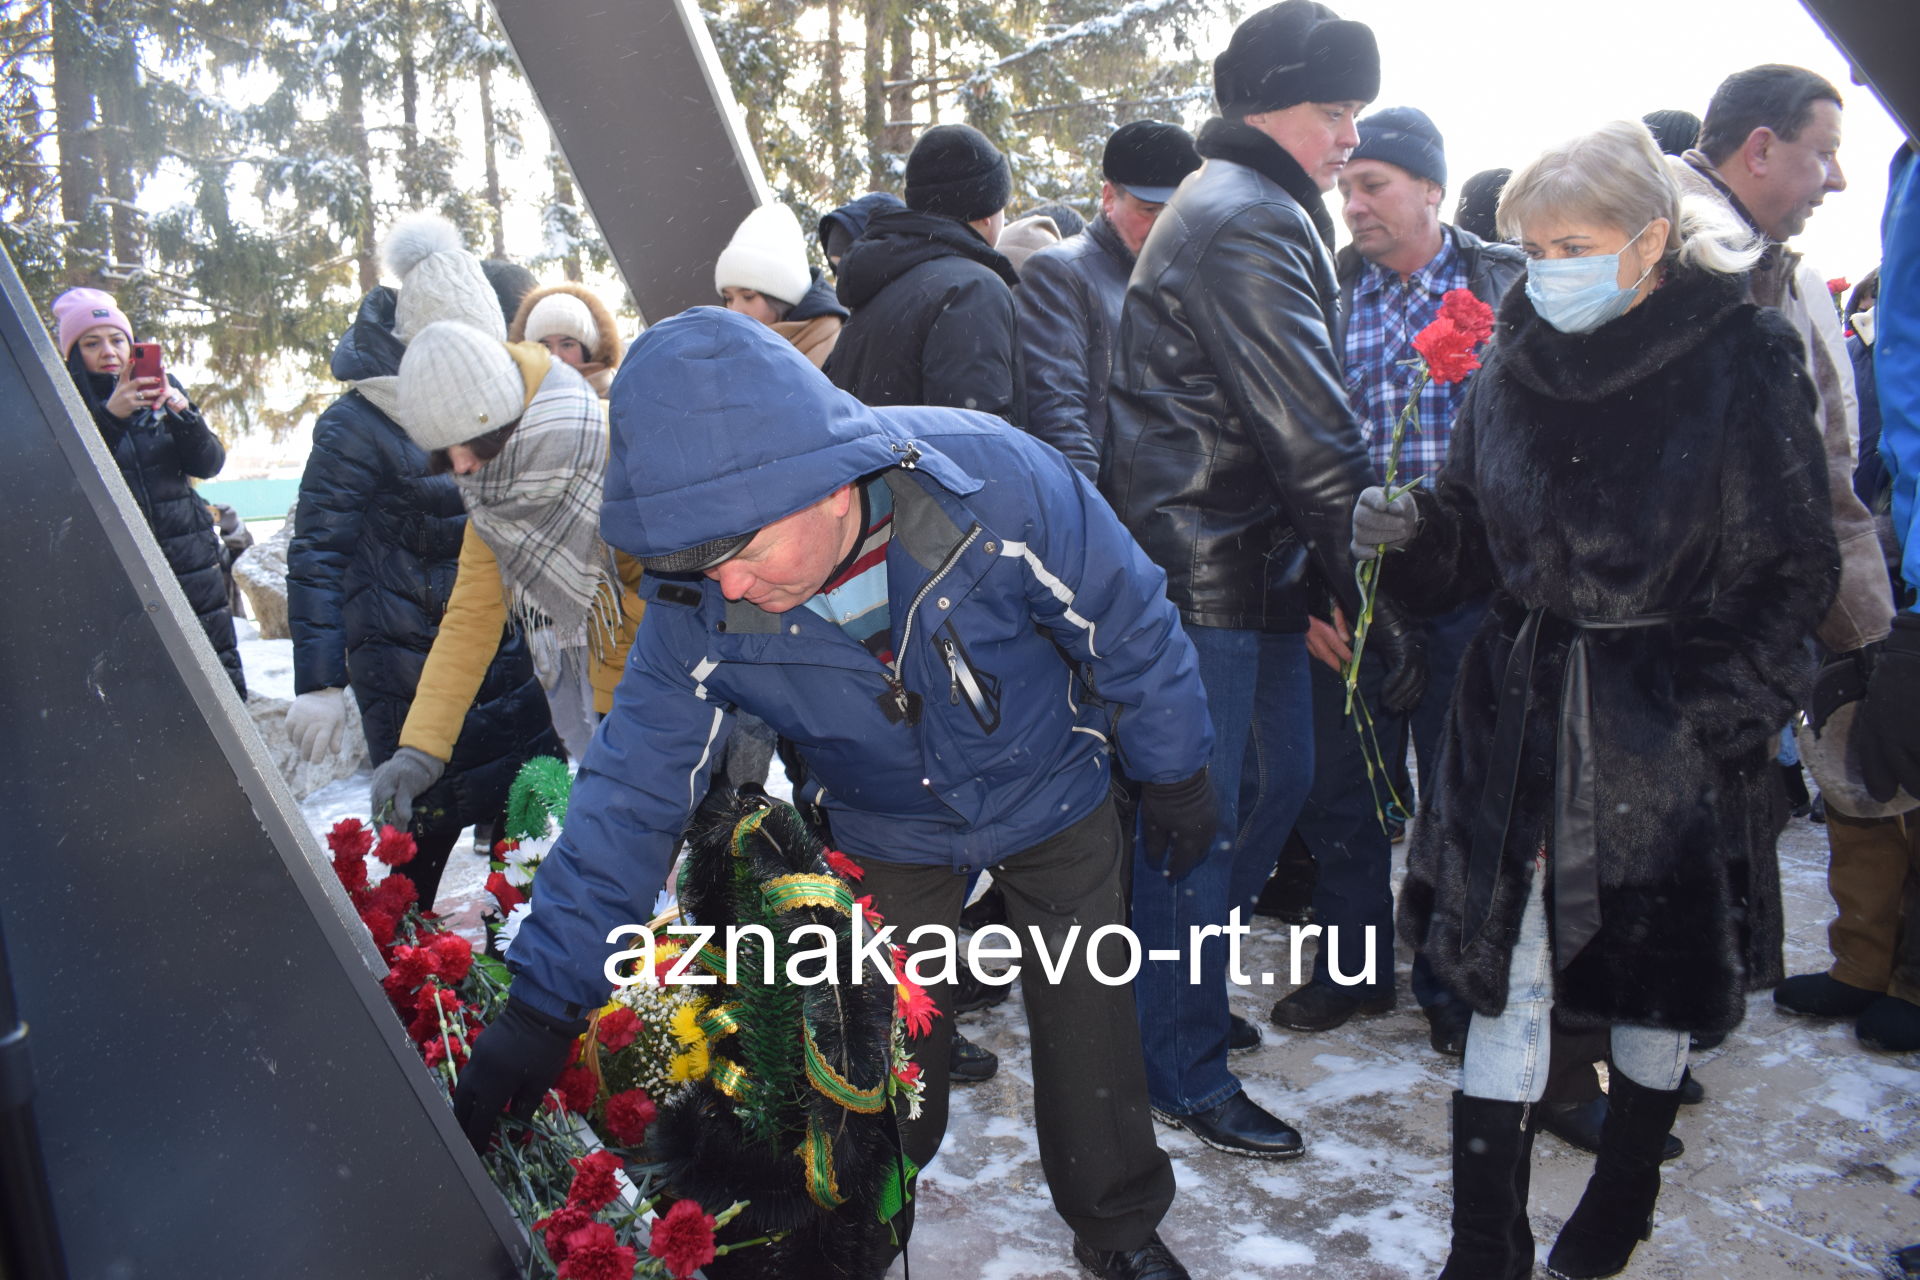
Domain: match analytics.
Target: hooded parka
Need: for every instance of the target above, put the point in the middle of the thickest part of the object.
(1008, 580)
(1648, 505)
(372, 562)
(933, 318)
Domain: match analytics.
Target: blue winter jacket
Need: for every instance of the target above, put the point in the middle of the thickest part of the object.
(1012, 587)
(1896, 356)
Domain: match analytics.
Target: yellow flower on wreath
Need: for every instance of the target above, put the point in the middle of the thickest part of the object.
(693, 1062)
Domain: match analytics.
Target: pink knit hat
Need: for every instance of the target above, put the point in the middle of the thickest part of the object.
(78, 310)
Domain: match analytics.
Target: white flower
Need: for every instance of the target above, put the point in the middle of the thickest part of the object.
(510, 927)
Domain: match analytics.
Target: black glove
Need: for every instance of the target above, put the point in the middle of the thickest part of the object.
(1890, 740)
(1842, 679)
(515, 1061)
(1402, 645)
(1179, 821)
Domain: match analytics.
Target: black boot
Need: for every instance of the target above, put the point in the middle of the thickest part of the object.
(1616, 1213)
(1492, 1162)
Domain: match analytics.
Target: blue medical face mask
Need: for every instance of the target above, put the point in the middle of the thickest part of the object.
(1578, 295)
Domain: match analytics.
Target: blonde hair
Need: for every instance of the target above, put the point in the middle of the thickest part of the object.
(1616, 176)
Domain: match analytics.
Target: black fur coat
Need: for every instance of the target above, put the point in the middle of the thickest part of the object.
(1667, 462)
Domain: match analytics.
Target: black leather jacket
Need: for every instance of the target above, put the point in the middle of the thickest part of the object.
(1069, 297)
(1234, 456)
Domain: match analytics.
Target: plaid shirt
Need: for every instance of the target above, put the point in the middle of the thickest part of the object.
(1387, 313)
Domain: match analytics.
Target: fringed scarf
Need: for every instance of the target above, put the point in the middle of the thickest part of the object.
(537, 506)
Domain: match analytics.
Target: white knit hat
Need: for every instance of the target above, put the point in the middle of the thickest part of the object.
(561, 315)
(457, 383)
(768, 255)
(439, 279)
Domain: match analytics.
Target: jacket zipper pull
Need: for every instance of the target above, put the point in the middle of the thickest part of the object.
(953, 671)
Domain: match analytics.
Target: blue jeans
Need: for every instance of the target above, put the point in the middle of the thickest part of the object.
(1507, 1056)
(1260, 703)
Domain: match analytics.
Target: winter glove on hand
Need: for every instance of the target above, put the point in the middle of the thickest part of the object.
(407, 773)
(1402, 643)
(1890, 743)
(317, 723)
(515, 1061)
(1380, 523)
(1179, 821)
(1842, 679)
(544, 644)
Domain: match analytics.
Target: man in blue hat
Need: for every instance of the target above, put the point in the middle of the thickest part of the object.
(916, 598)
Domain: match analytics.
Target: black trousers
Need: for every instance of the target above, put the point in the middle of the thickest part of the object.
(1109, 1178)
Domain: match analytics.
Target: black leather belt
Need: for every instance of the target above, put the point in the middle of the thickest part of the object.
(1576, 876)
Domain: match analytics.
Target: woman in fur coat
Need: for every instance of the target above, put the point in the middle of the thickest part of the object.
(1637, 477)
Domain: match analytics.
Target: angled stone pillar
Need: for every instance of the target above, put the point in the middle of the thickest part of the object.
(218, 1083)
(642, 110)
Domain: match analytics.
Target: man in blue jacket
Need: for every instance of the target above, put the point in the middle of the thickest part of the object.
(917, 598)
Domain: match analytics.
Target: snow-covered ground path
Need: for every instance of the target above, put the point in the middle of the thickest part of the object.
(1804, 1160)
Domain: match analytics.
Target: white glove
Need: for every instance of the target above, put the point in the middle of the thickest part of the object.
(317, 723)
(544, 644)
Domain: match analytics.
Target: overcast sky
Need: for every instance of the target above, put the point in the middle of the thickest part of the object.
(1504, 79)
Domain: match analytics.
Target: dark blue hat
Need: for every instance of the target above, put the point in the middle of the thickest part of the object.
(1404, 136)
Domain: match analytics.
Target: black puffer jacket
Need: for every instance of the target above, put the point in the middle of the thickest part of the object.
(1070, 297)
(1234, 455)
(933, 318)
(156, 453)
(375, 547)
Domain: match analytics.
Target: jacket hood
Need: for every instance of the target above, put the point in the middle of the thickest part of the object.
(896, 243)
(369, 348)
(720, 427)
(856, 214)
(606, 352)
(818, 301)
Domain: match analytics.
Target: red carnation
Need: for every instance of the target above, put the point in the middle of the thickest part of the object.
(381, 925)
(504, 892)
(452, 957)
(628, 1115)
(618, 1028)
(429, 1006)
(593, 1186)
(1447, 349)
(349, 839)
(394, 894)
(353, 875)
(1839, 285)
(908, 1075)
(843, 866)
(577, 1089)
(407, 968)
(560, 1224)
(595, 1253)
(683, 1240)
(1467, 313)
(436, 1050)
(395, 846)
(865, 903)
(501, 848)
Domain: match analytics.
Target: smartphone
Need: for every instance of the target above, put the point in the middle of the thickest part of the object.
(146, 361)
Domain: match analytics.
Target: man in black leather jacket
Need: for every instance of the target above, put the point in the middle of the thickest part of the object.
(1235, 461)
(1402, 261)
(1070, 293)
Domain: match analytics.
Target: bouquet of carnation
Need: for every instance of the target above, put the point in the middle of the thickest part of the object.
(566, 1175)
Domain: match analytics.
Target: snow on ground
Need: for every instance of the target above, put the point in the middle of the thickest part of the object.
(1802, 1162)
